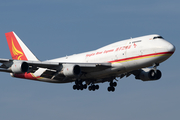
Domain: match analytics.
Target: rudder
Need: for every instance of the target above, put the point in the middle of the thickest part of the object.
(18, 50)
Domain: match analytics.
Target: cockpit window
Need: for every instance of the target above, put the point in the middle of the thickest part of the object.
(158, 37)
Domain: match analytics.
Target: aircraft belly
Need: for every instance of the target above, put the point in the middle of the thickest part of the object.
(104, 73)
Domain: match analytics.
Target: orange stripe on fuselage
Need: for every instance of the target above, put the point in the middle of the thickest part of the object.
(141, 57)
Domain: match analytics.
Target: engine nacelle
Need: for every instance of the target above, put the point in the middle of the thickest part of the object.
(70, 70)
(19, 67)
(148, 74)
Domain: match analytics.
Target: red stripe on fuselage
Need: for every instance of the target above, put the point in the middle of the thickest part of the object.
(141, 56)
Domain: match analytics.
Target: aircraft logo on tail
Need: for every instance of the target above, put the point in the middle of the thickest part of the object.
(17, 54)
(15, 46)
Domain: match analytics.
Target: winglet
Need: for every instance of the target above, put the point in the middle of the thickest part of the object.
(18, 50)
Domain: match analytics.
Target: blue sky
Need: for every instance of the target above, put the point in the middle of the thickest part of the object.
(56, 28)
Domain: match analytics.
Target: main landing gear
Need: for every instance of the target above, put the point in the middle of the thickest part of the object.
(112, 86)
(79, 86)
(93, 87)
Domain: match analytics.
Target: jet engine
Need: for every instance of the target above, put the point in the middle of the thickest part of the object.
(70, 70)
(19, 67)
(149, 74)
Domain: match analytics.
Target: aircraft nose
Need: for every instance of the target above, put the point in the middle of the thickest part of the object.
(170, 47)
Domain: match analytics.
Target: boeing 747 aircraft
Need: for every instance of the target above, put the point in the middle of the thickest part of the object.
(136, 56)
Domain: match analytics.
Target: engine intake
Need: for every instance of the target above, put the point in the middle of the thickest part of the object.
(148, 74)
(19, 67)
(70, 70)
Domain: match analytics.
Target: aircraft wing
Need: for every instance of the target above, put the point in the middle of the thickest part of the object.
(52, 65)
(4, 60)
(34, 65)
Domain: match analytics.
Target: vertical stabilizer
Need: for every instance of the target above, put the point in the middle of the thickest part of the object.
(18, 50)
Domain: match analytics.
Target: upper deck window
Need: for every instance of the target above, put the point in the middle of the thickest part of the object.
(158, 37)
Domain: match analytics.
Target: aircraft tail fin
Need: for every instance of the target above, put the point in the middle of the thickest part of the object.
(18, 50)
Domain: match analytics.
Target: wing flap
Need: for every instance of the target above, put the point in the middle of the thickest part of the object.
(48, 74)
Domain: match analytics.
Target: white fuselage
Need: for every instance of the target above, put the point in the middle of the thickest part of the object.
(124, 56)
